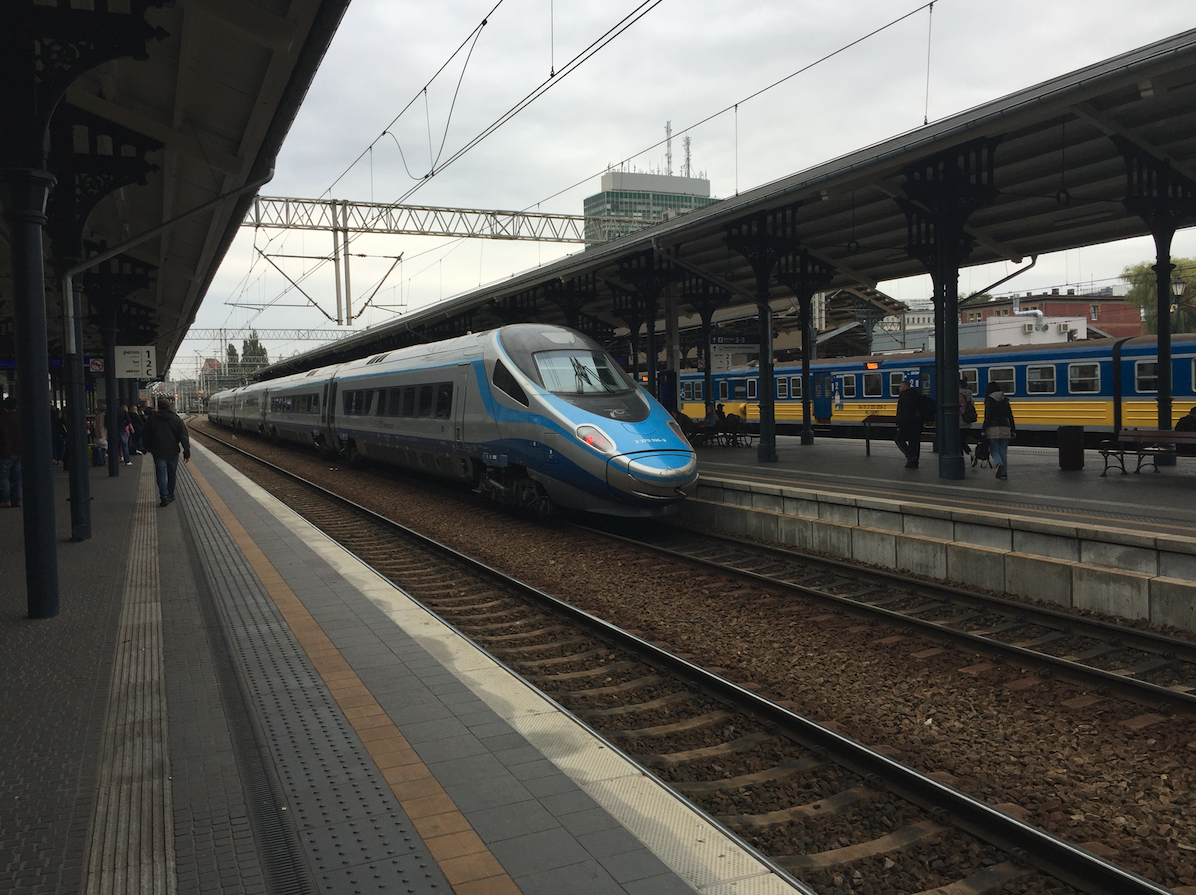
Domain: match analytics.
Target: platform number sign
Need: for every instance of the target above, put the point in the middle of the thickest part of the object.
(134, 362)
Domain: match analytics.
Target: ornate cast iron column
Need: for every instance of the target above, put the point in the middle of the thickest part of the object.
(804, 276)
(762, 239)
(648, 274)
(942, 193)
(43, 48)
(1164, 199)
(572, 295)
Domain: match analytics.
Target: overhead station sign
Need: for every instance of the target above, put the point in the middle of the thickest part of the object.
(134, 362)
(724, 348)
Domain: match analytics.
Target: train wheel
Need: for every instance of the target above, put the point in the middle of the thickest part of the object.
(356, 461)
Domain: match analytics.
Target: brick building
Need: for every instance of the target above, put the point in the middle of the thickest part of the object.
(1108, 315)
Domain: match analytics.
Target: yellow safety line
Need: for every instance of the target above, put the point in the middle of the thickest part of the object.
(467, 864)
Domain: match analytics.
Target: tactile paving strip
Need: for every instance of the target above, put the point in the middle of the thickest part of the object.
(354, 835)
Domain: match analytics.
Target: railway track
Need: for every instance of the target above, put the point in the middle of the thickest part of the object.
(1143, 666)
(820, 807)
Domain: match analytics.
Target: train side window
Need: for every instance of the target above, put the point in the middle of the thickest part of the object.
(722, 390)
(971, 379)
(425, 401)
(751, 389)
(687, 391)
(872, 385)
(1040, 380)
(504, 381)
(795, 387)
(1083, 378)
(315, 404)
(1003, 377)
(1146, 375)
(849, 385)
(349, 401)
(409, 396)
(444, 401)
(394, 402)
(782, 389)
(698, 389)
(895, 380)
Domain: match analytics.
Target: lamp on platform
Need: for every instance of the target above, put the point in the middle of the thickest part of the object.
(1178, 285)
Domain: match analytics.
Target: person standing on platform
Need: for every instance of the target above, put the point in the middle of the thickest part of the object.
(164, 435)
(909, 423)
(124, 427)
(10, 454)
(57, 435)
(967, 414)
(137, 418)
(999, 427)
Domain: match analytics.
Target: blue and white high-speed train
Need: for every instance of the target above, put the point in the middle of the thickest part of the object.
(532, 415)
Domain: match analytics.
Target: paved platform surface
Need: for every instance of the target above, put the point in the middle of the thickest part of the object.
(228, 702)
(1158, 502)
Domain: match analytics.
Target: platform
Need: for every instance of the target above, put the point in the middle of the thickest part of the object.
(229, 702)
(1149, 501)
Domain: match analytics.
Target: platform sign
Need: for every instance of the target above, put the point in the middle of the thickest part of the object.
(723, 348)
(134, 362)
(95, 365)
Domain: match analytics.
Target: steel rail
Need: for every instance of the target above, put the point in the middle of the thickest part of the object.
(1165, 699)
(1023, 842)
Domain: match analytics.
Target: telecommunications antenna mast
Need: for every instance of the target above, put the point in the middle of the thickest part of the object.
(685, 169)
(668, 148)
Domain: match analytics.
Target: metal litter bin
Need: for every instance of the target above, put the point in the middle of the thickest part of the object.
(1071, 447)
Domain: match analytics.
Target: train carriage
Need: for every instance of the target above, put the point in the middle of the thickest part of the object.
(532, 415)
(1099, 384)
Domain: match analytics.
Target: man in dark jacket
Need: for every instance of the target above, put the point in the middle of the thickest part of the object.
(164, 434)
(909, 423)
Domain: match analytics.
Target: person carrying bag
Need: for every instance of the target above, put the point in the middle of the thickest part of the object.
(999, 427)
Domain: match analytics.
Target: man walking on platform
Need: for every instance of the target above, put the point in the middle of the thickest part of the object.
(164, 435)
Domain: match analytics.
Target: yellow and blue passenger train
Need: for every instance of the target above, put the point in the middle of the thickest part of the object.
(1102, 385)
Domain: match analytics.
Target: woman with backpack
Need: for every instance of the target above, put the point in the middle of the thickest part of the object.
(999, 427)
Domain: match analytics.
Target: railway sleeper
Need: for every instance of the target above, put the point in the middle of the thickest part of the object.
(565, 660)
(614, 689)
(651, 705)
(510, 638)
(899, 840)
(988, 881)
(612, 668)
(823, 807)
(516, 651)
(664, 730)
(731, 747)
(726, 784)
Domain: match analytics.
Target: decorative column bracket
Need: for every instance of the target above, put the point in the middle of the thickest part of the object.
(649, 274)
(704, 297)
(804, 276)
(942, 191)
(1164, 199)
(762, 239)
(91, 157)
(518, 308)
(572, 295)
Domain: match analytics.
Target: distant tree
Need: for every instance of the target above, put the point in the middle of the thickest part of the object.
(253, 355)
(231, 353)
(1143, 293)
(976, 298)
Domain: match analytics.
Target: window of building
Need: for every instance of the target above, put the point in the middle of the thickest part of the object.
(872, 385)
(849, 385)
(782, 389)
(1003, 377)
(1146, 375)
(1083, 378)
(1094, 312)
(1040, 380)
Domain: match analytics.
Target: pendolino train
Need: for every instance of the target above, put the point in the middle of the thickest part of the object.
(1102, 384)
(532, 415)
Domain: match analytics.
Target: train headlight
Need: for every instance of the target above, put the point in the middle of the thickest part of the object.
(678, 431)
(595, 438)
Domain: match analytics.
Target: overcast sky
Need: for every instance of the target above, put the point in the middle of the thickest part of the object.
(682, 62)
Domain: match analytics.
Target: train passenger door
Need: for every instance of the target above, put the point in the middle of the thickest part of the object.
(460, 394)
(821, 395)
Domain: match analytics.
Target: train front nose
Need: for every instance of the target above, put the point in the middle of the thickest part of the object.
(655, 475)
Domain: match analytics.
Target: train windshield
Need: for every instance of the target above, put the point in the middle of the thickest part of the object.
(576, 370)
(579, 373)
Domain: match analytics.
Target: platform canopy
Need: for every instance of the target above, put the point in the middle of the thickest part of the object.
(1062, 152)
(204, 114)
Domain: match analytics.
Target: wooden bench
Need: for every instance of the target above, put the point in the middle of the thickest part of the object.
(1144, 444)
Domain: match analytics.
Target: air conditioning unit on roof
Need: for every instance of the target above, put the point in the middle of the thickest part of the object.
(1027, 327)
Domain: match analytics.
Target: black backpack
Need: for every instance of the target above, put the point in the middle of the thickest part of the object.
(968, 413)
